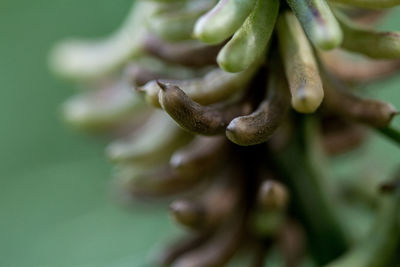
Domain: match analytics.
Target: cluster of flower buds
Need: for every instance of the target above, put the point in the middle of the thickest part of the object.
(232, 106)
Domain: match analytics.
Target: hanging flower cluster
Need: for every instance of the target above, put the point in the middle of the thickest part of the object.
(232, 106)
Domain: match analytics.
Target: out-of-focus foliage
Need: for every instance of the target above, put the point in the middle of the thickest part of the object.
(55, 210)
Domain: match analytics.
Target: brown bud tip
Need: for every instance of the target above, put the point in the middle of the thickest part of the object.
(139, 89)
(163, 86)
(273, 195)
(185, 213)
(237, 132)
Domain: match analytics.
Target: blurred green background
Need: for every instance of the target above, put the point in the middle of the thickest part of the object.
(55, 207)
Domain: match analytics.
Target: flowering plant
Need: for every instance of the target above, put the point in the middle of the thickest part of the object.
(234, 106)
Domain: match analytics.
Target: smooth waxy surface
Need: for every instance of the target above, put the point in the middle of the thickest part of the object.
(223, 20)
(300, 65)
(250, 42)
(318, 22)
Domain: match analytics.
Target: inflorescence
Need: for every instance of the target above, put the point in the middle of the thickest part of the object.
(233, 106)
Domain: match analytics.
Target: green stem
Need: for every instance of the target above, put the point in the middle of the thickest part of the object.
(303, 174)
(391, 133)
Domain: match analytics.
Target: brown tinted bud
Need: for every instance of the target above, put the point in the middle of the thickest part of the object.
(273, 195)
(153, 182)
(218, 249)
(213, 207)
(193, 116)
(261, 124)
(201, 155)
(354, 69)
(373, 112)
(180, 247)
(188, 53)
(187, 213)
